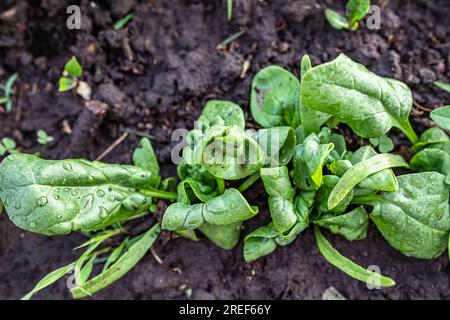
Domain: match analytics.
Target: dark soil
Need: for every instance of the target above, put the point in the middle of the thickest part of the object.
(155, 75)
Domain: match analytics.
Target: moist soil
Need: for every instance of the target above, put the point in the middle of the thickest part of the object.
(155, 76)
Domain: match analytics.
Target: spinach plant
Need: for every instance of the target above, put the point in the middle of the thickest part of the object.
(7, 145)
(72, 72)
(356, 10)
(43, 137)
(310, 177)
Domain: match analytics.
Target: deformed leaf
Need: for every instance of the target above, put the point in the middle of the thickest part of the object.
(230, 207)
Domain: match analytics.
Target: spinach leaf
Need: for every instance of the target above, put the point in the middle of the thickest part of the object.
(144, 157)
(265, 239)
(308, 116)
(229, 153)
(442, 117)
(281, 195)
(336, 20)
(361, 171)
(356, 10)
(368, 103)
(197, 183)
(230, 207)
(323, 194)
(54, 197)
(432, 159)
(225, 237)
(224, 113)
(277, 144)
(347, 266)
(430, 137)
(352, 225)
(415, 219)
(309, 159)
(119, 268)
(275, 98)
(260, 242)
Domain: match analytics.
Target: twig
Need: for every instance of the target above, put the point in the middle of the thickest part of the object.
(418, 106)
(111, 147)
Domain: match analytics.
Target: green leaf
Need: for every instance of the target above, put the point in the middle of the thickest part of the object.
(336, 20)
(347, 266)
(431, 159)
(442, 117)
(308, 116)
(224, 113)
(281, 195)
(383, 180)
(260, 242)
(442, 85)
(323, 194)
(123, 22)
(124, 264)
(9, 144)
(274, 99)
(359, 172)
(73, 68)
(369, 104)
(386, 144)
(415, 219)
(49, 279)
(309, 159)
(357, 10)
(1, 207)
(145, 157)
(352, 225)
(66, 84)
(54, 197)
(225, 237)
(230, 207)
(430, 137)
(229, 153)
(278, 145)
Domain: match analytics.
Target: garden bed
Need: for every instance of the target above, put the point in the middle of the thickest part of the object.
(157, 73)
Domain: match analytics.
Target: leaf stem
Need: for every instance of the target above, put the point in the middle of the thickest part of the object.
(368, 199)
(408, 131)
(160, 194)
(249, 182)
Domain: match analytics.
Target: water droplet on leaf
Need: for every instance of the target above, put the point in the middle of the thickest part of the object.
(42, 201)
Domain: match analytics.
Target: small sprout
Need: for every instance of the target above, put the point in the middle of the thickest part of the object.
(383, 142)
(43, 138)
(356, 10)
(7, 145)
(72, 71)
(123, 21)
(8, 92)
(188, 293)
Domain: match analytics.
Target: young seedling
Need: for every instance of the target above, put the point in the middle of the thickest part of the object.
(7, 145)
(43, 138)
(121, 23)
(356, 10)
(384, 143)
(70, 79)
(8, 92)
